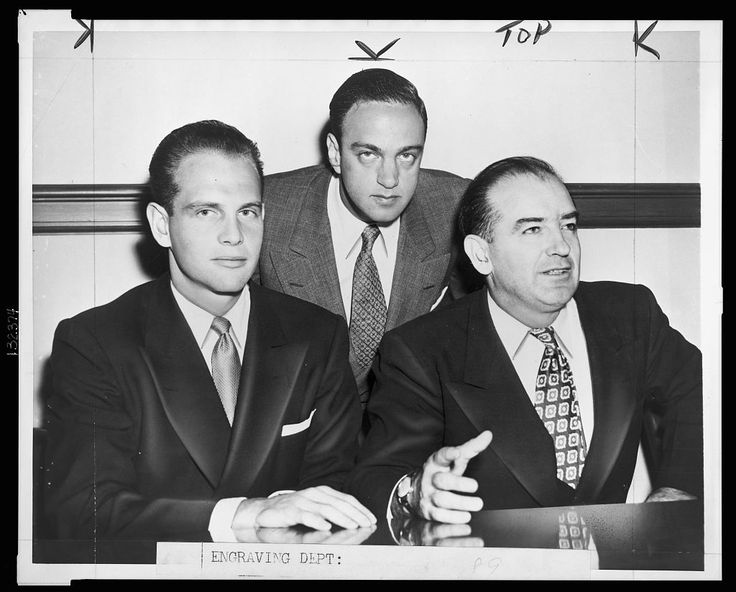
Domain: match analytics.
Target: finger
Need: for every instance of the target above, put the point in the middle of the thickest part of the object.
(290, 514)
(451, 482)
(353, 505)
(448, 516)
(470, 450)
(326, 510)
(343, 502)
(453, 501)
(444, 457)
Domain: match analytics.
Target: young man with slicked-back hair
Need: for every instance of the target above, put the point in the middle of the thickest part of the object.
(371, 237)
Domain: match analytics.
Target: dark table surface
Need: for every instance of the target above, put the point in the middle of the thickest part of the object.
(652, 536)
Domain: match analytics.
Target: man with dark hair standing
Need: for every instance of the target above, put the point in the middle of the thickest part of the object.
(197, 405)
(372, 239)
(531, 391)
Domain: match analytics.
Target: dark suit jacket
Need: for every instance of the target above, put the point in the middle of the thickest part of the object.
(445, 377)
(139, 444)
(297, 256)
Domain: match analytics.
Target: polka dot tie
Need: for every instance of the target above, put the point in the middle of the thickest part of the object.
(556, 404)
(368, 311)
(225, 367)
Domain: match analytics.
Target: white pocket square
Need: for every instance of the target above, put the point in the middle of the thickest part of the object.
(294, 428)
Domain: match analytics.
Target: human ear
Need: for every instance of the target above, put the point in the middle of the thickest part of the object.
(158, 220)
(476, 248)
(333, 152)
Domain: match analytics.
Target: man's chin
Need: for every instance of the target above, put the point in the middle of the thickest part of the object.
(231, 290)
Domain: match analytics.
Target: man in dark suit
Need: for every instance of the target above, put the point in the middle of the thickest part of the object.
(197, 405)
(317, 240)
(530, 392)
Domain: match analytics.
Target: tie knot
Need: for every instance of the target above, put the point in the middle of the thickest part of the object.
(221, 325)
(546, 335)
(369, 236)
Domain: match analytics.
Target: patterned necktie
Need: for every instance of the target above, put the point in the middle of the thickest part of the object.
(225, 367)
(368, 312)
(556, 404)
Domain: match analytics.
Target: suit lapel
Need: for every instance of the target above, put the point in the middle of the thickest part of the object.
(270, 369)
(492, 397)
(614, 400)
(308, 266)
(185, 385)
(415, 273)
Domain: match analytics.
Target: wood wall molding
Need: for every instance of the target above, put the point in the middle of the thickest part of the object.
(75, 208)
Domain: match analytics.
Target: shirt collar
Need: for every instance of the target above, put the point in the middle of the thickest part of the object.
(513, 332)
(200, 320)
(347, 229)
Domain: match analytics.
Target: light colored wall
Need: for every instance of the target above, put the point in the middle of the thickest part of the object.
(577, 99)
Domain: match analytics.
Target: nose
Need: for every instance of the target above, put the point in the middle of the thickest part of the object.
(558, 244)
(230, 232)
(388, 174)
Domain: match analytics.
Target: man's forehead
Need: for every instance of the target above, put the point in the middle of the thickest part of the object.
(205, 174)
(212, 157)
(383, 116)
(528, 193)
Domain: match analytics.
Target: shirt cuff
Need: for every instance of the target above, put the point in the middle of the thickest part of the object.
(221, 520)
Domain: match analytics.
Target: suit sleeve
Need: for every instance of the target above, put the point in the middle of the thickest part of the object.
(674, 380)
(407, 423)
(91, 486)
(333, 436)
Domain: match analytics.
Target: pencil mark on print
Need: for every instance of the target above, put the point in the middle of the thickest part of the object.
(523, 34)
(374, 55)
(88, 32)
(638, 40)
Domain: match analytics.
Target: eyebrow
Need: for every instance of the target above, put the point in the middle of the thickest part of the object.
(374, 148)
(521, 221)
(215, 206)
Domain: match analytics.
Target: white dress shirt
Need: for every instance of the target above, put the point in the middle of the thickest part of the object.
(526, 351)
(200, 322)
(346, 232)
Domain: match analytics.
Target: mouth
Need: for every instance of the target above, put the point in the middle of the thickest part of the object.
(385, 198)
(558, 271)
(231, 262)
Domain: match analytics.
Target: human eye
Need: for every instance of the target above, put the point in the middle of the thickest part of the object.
(203, 212)
(571, 226)
(408, 157)
(367, 155)
(253, 211)
(532, 230)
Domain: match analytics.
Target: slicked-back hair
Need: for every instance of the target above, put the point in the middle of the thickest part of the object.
(373, 85)
(476, 214)
(202, 136)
